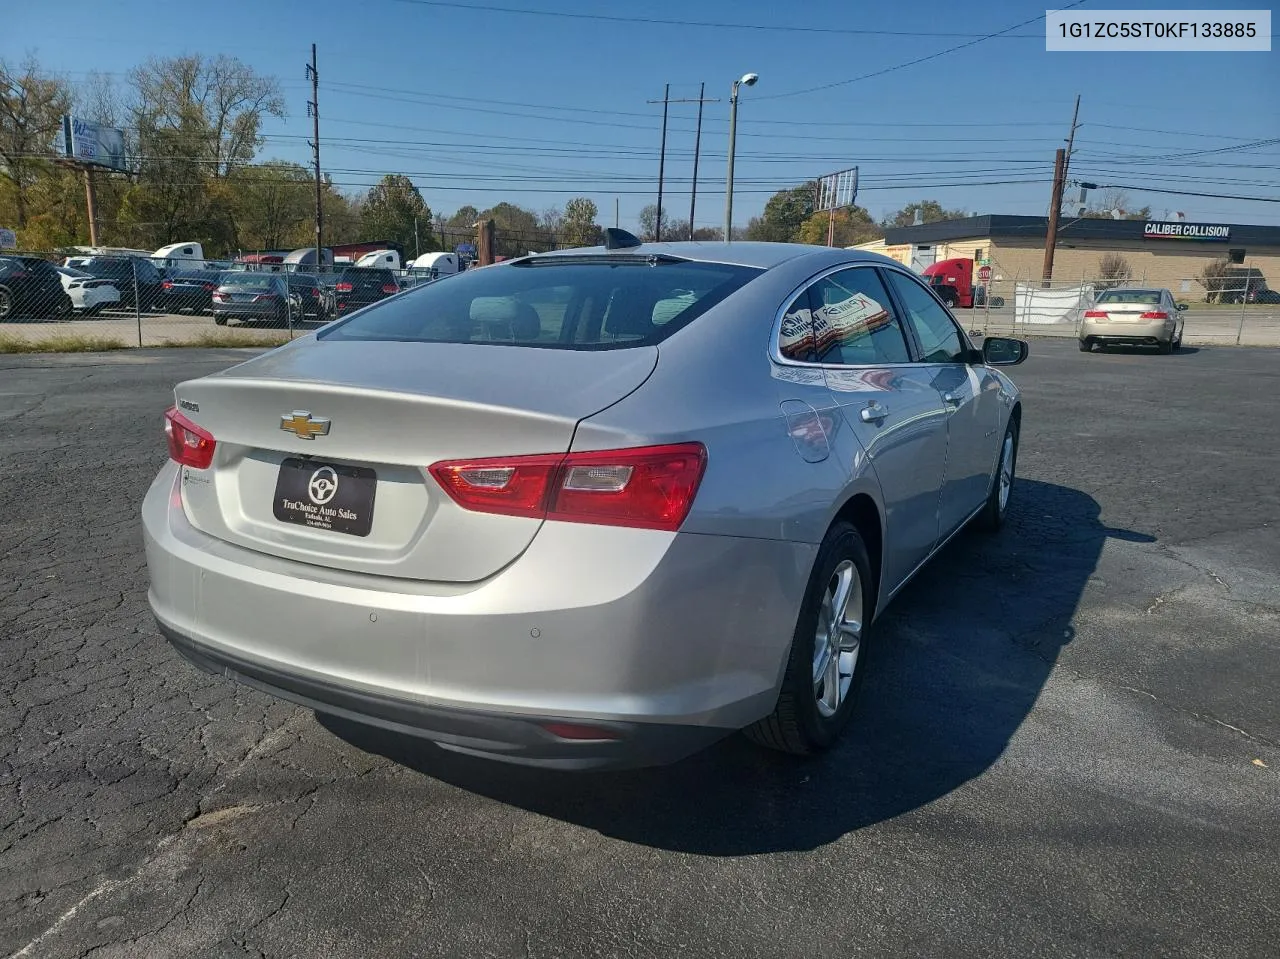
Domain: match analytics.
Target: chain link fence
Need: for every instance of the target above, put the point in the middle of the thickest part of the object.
(55, 301)
(1233, 312)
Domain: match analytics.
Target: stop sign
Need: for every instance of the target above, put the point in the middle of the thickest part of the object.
(984, 273)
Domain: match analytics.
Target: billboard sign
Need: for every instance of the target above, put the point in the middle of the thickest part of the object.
(94, 144)
(8, 239)
(1186, 231)
(836, 191)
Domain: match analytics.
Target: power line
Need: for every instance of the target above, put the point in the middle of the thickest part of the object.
(1215, 196)
(911, 63)
(664, 22)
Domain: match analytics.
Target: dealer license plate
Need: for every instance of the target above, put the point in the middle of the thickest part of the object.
(326, 496)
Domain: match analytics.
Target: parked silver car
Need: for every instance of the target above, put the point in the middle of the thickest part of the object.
(595, 507)
(1130, 317)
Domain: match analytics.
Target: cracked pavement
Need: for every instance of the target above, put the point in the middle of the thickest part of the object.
(1068, 744)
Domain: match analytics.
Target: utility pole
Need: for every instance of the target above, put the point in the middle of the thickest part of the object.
(313, 107)
(662, 160)
(750, 80)
(697, 149)
(616, 208)
(91, 202)
(1062, 161)
(666, 101)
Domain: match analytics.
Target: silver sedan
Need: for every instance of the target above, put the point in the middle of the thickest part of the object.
(594, 507)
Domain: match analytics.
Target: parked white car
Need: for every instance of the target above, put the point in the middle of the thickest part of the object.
(89, 294)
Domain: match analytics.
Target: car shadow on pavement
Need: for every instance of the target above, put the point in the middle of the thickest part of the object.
(1144, 350)
(959, 661)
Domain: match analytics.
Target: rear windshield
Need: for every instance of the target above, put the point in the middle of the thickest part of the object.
(557, 303)
(249, 281)
(1143, 297)
(367, 277)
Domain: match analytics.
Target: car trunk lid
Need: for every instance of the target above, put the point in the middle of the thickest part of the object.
(381, 413)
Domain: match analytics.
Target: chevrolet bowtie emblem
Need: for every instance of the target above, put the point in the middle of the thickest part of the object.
(304, 425)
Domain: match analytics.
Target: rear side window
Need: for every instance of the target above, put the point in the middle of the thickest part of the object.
(560, 303)
(845, 319)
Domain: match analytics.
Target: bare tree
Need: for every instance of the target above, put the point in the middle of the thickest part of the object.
(1113, 271)
(32, 105)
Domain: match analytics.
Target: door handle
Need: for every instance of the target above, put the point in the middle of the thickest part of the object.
(952, 399)
(873, 412)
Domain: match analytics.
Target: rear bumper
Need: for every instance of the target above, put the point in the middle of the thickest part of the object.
(97, 296)
(669, 641)
(248, 311)
(1140, 332)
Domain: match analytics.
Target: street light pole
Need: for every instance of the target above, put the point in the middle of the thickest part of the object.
(747, 80)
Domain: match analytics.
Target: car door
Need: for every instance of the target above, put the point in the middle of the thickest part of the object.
(1170, 307)
(969, 391)
(890, 404)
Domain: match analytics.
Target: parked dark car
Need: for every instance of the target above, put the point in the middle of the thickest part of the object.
(30, 288)
(360, 286)
(190, 290)
(136, 278)
(252, 296)
(1264, 296)
(310, 290)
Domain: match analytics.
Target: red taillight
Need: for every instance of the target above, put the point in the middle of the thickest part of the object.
(1095, 314)
(1155, 315)
(189, 445)
(167, 284)
(344, 288)
(390, 288)
(209, 286)
(650, 487)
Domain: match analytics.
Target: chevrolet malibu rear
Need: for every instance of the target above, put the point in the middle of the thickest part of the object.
(472, 513)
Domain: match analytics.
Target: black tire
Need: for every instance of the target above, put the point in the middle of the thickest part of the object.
(797, 725)
(1086, 346)
(1164, 348)
(219, 319)
(994, 512)
(6, 304)
(949, 302)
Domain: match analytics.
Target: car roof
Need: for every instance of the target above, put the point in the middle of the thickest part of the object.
(763, 256)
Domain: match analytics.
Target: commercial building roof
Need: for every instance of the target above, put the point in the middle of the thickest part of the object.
(997, 225)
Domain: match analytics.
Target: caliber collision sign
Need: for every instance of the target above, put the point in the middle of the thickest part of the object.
(1186, 231)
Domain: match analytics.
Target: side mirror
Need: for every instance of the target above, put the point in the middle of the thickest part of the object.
(1004, 351)
(1183, 307)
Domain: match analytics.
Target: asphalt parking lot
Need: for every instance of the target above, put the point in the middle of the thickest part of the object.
(1069, 745)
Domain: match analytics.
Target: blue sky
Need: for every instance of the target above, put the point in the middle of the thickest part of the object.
(479, 106)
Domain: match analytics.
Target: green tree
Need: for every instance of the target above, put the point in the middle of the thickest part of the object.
(931, 211)
(218, 104)
(853, 225)
(465, 219)
(579, 226)
(31, 110)
(392, 209)
(273, 205)
(783, 215)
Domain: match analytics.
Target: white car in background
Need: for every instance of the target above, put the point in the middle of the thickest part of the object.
(89, 294)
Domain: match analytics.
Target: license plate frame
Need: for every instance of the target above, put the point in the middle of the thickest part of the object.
(333, 497)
